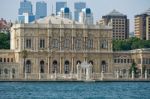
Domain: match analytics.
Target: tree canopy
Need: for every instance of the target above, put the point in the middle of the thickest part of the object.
(4, 41)
(130, 44)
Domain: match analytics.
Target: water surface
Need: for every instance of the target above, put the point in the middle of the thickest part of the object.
(74, 90)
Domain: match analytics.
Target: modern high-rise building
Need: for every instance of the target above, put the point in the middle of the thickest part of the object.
(41, 9)
(26, 18)
(60, 5)
(142, 25)
(119, 23)
(78, 6)
(65, 13)
(25, 7)
(86, 16)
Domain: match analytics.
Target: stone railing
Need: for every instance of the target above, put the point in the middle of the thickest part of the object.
(74, 77)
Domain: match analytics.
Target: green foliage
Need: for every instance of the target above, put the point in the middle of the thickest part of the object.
(133, 68)
(4, 41)
(130, 44)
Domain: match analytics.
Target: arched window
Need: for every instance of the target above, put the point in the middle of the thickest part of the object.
(91, 62)
(42, 66)
(66, 67)
(78, 62)
(28, 66)
(104, 66)
(54, 68)
(78, 44)
(66, 43)
(55, 43)
(6, 71)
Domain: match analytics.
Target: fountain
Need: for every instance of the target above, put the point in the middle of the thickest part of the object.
(86, 69)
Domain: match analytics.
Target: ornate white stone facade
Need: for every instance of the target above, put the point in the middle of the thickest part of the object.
(53, 46)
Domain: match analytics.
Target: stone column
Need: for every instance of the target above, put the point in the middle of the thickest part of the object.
(132, 74)
(78, 71)
(117, 74)
(72, 64)
(146, 74)
(87, 73)
(127, 73)
(102, 75)
(60, 59)
(10, 73)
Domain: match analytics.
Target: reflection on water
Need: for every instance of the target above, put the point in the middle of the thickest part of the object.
(74, 90)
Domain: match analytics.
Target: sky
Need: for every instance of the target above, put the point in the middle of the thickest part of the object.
(9, 8)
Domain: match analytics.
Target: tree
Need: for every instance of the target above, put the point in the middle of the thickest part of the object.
(133, 68)
(130, 44)
(4, 41)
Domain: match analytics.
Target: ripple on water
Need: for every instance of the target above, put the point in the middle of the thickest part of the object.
(72, 90)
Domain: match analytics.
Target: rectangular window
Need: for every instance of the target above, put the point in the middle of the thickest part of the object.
(121, 60)
(7, 59)
(55, 43)
(11, 59)
(124, 60)
(115, 61)
(128, 60)
(28, 43)
(42, 43)
(78, 43)
(90, 44)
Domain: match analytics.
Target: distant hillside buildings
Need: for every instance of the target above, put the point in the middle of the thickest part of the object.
(60, 5)
(41, 9)
(78, 6)
(142, 25)
(119, 23)
(4, 26)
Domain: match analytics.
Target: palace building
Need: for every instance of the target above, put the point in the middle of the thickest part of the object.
(54, 46)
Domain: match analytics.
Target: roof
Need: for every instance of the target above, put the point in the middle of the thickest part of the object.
(55, 20)
(115, 13)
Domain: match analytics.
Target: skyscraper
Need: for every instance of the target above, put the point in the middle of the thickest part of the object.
(25, 7)
(119, 23)
(78, 6)
(142, 25)
(65, 13)
(41, 9)
(60, 5)
(86, 16)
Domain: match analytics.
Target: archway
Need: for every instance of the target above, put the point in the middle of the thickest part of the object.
(66, 67)
(78, 62)
(42, 66)
(104, 66)
(28, 66)
(55, 66)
